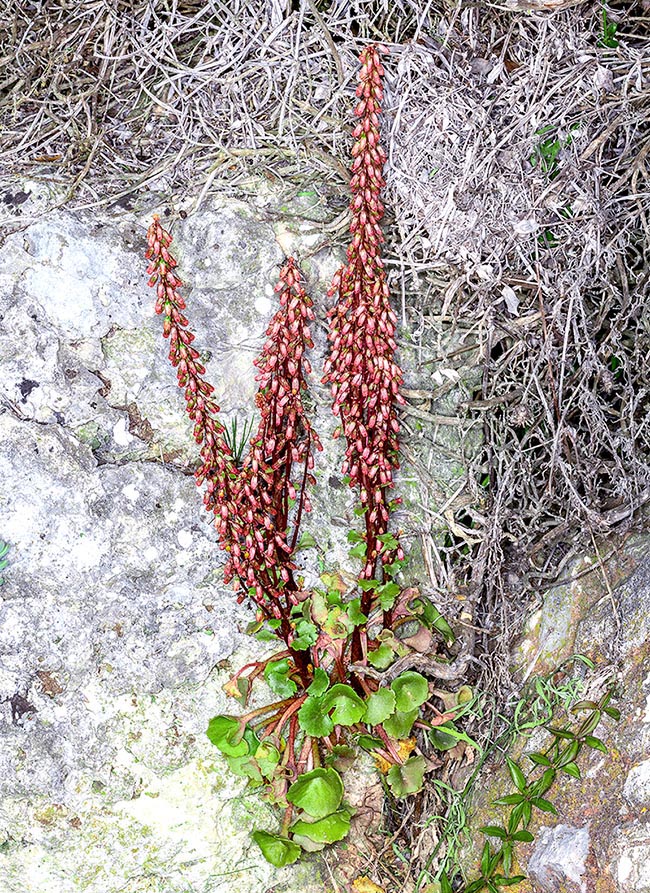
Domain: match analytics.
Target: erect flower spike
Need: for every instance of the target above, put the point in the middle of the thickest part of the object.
(361, 368)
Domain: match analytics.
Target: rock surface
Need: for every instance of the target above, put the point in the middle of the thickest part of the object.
(600, 841)
(116, 631)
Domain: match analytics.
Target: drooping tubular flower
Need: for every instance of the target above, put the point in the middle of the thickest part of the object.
(217, 463)
(361, 368)
(253, 505)
(279, 464)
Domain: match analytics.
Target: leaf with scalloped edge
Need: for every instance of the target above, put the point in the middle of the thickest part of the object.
(313, 718)
(277, 850)
(318, 792)
(399, 724)
(379, 706)
(411, 690)
(348, 706)
(407, 778)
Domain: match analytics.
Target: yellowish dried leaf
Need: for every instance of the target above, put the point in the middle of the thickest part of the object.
(365, 885)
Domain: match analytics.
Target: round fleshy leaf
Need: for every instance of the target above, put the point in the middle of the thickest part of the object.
(440, 739)
(277, 850)
(348, 706)
(318, 792)
(244, 766)
(341, 757)
(276, 674)
(407, 778)
(227, 733)
(399, 725)
(411, 690)
(313, 718)
(381, 657)
(379, 706)
(326, 830)
(267, 757)
(320, 684)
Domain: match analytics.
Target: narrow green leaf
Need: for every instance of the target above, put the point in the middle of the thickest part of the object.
(509, 800)
(523, 836)
(562, 733)
(494, 831)
(516, 774)
(613, 712)
(571, 769)
(544, 805)
(445, 884)
(501, 881)
(485, 859)
(596, 743)
(475, 886)
(539, 759)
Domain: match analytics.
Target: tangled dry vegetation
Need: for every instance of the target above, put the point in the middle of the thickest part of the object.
(519, 199)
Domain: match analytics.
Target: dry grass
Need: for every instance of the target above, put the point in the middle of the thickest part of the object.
(519, 209)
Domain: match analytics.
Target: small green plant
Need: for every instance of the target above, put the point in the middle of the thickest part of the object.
(4, 548)
(608, 37)
(546, 153)
(531, 789)
(237, 438)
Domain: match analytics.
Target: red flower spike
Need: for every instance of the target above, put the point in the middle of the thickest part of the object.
(361, 369)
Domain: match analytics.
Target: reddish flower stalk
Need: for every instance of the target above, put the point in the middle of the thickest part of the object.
(274, 496)
(258, 508)
(361, 369)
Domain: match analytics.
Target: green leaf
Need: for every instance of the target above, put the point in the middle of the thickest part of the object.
(399, 725)
(306, 541)
(613, 712)
(353, 536)
(341, 757)
(475, 886)
(445, 884)
(307, 635)
(544, 805)
(562, 733)
(539, 759)
(441, 739)
(369, 742)
(590, 724)
(379, 706)
(320, 684)
(515, 817)
(518, 777)
(367, 585)
(542, 785)
(596, 743)
(411, 690)
(245, 767)
(485, 859)
(494, 831)
(501, 881)
(526, 812)
(329, 829)
(266, 635)
(509, 800)
(358, 551)
(227, 733)
(313, 718)
(407, 778)
(267, 756)
(506, 851)
(571, 769)
(569, 754)
(348, 706)
(432, 618)
(381, 657)
(354, 612)
(276, 674)
(387, 593)
(318, 793)
(388, 540)
(279, 851)
(523, 836)
(449, 729)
